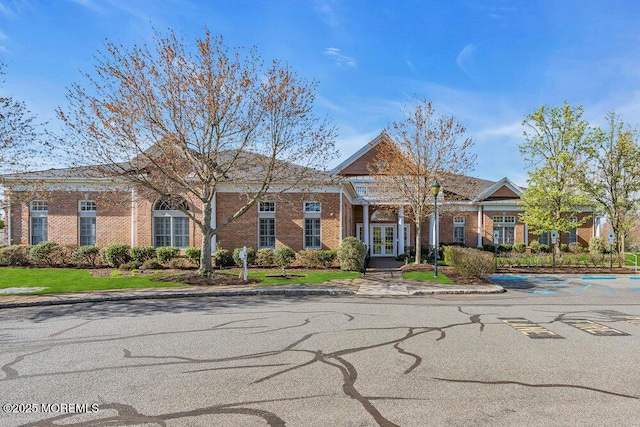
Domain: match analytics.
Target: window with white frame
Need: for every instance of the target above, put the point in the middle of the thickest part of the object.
(87, 222)
(573, 233)
(39, 221)
(266, 225)
(171, 223)
(312, 237)
(505, 224)
(458, 229)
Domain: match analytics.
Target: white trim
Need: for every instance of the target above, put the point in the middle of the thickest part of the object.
(480, 225)
(401, 234)
(385, 225)
(214, 221)
(355, 156)
(9, 220)
(504, 182)
(340, 222)
(365, 227)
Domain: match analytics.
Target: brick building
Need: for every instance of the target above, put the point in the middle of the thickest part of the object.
(80, 208)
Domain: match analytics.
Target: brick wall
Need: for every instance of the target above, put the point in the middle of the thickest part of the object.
(289, 220)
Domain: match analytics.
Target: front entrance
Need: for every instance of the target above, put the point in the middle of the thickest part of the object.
(383, 240)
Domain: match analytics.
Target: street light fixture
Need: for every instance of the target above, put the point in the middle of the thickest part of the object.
(435, 189)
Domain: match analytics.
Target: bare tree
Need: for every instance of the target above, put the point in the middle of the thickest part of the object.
(420, 149)
(177, 119)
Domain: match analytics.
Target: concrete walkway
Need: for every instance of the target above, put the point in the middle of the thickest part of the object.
(381, 280)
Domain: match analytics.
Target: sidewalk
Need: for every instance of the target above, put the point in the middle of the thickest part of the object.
(377, 282)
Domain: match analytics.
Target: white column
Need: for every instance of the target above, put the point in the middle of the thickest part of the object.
(213, 222)
(480, 226)
(8, 220)
(341, 222)
(365, 225)
(401, 230)
(133, 216)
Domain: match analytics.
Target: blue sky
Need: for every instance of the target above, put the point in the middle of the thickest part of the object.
(488, 63)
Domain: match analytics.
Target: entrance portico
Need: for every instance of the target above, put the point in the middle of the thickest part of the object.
(384, 232)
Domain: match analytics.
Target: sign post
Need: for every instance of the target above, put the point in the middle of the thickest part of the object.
(611, 236)
(554, 241)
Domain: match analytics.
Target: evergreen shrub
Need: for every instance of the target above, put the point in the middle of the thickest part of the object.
(351, 254)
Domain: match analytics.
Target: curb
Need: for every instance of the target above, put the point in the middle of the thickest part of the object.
(247, 292)
(499, 290)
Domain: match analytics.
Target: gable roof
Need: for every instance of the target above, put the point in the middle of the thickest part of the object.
(487, 192)
(338, 170)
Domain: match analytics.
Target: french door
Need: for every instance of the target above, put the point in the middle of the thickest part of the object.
(383, 240)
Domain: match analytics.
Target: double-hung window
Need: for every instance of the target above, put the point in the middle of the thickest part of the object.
(87, 222)
(573, 233)
(266, 225)
(39, 221)
(458, 229)
(506, 225)
(312, 235)
(171, 223)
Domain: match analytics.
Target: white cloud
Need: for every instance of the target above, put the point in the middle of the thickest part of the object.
(465, 57)
(338, 58)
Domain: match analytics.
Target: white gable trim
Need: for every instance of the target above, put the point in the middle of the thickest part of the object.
(361, 152)
(504, 182)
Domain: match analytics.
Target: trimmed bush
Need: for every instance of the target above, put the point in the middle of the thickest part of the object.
(15, 255)
(43, 254)
(264, 257)
(308, 258)
(283, 257)
(351, 254)
(564, 247)
(193, 255)
(327, 257)
(167, 253)
(221, 257)
(545, 248)
(153, 264)
(142, 253)
(64, 255)
(472, 262)
(598, 245)
(87, 255)
(251, 256)
(116, 254)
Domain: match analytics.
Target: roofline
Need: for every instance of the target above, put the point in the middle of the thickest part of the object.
(355, 156)
(495, 186)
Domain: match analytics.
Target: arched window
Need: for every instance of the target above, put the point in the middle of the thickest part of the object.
(39, 221)
(170, 222)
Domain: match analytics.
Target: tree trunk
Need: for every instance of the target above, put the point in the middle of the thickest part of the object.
(207, 235)
(206, 268)
(418, 241)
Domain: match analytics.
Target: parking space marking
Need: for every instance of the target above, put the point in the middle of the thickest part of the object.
(617, 315)
(528, 328)
(594, 328)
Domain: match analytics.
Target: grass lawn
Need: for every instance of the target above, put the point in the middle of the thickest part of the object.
(310, 276)
(60, 280)
(427, 276)
(630, 260)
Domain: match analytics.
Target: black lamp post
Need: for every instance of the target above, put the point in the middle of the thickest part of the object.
(435, 189)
